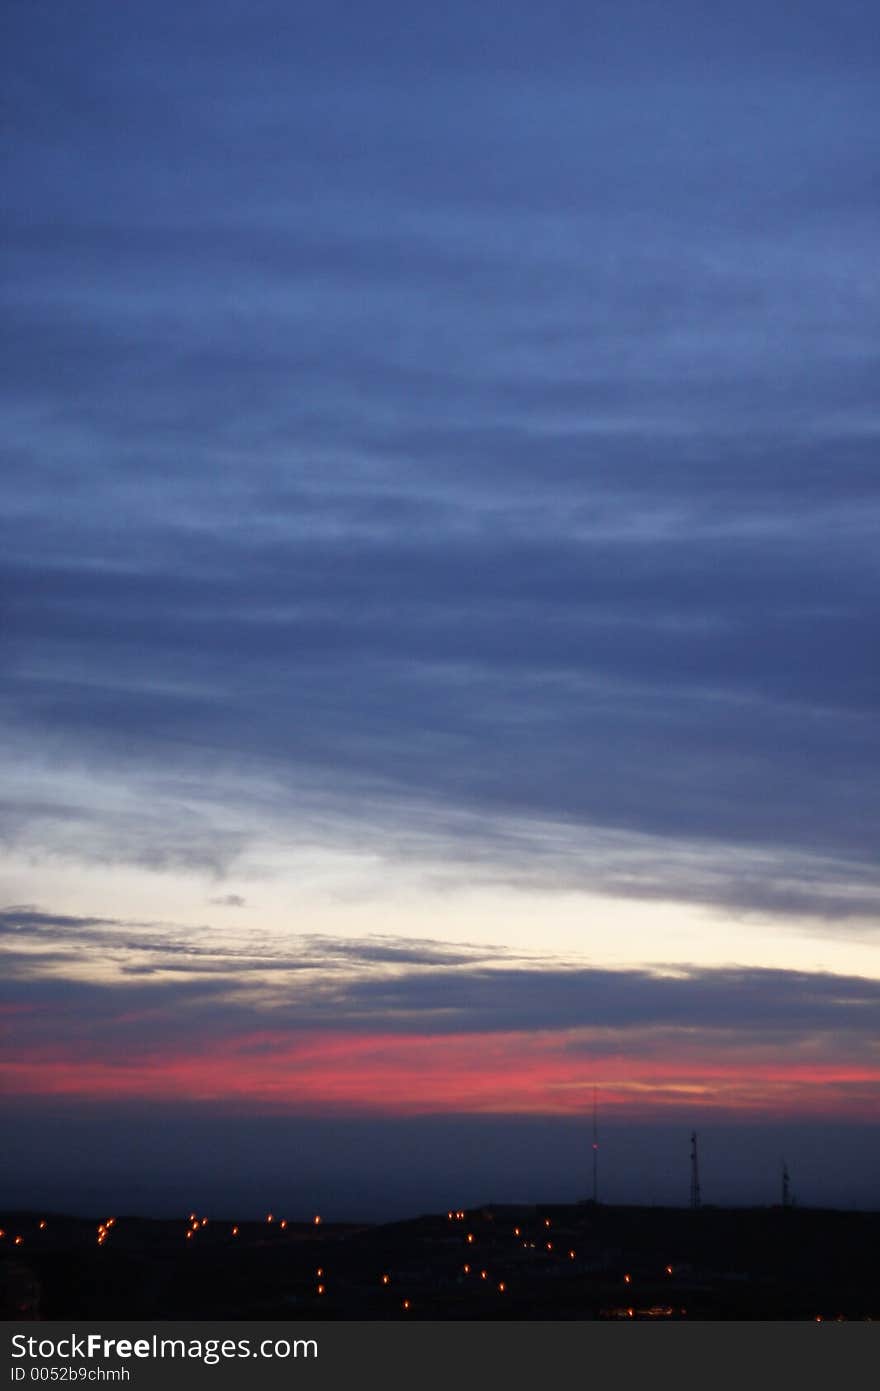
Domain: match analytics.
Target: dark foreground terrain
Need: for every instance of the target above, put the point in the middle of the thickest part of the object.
(553, 1262)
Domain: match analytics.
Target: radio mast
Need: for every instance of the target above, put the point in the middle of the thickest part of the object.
(595, 1152)
(695, 1173)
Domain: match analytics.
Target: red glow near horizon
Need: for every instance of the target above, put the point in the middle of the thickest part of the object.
(410, 1074)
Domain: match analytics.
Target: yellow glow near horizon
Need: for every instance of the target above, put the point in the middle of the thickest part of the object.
(570, 927)
(303, 872)
(293, 883)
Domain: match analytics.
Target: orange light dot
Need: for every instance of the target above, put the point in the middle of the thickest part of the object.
(189, 1236)
(470, 1236)
(2, 1233)
(483, 1275)
(449, 1216)
(516, 1231)
(204, 1221)
(235, 1231)
(546, 1221)
(549, 1245)
(502, 1287)
(42, 1226)
(317, 1220)
(571, 1255)
(467, 1270)
(192, 1217)
(19, 1240)
(406, 1304)
(627, 1279)
(269, 1217)
(320, 1271)
(320, 1289)
(283, 1223)
(669, 1270)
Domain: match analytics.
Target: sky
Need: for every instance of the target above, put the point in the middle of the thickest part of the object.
(438, 602)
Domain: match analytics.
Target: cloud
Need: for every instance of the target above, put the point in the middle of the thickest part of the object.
(435, 469)
(511, 478)
(156, 986)
(30, 938)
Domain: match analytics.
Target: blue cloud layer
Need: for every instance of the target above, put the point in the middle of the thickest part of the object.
(480, 412)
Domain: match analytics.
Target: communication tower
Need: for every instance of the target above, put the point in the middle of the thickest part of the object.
(695, 1173)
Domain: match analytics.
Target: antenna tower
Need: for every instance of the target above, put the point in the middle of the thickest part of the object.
(695, 1173)
(595, 1152)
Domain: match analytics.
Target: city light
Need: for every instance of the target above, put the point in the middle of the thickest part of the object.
(104, 1230)
(441, 1272)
